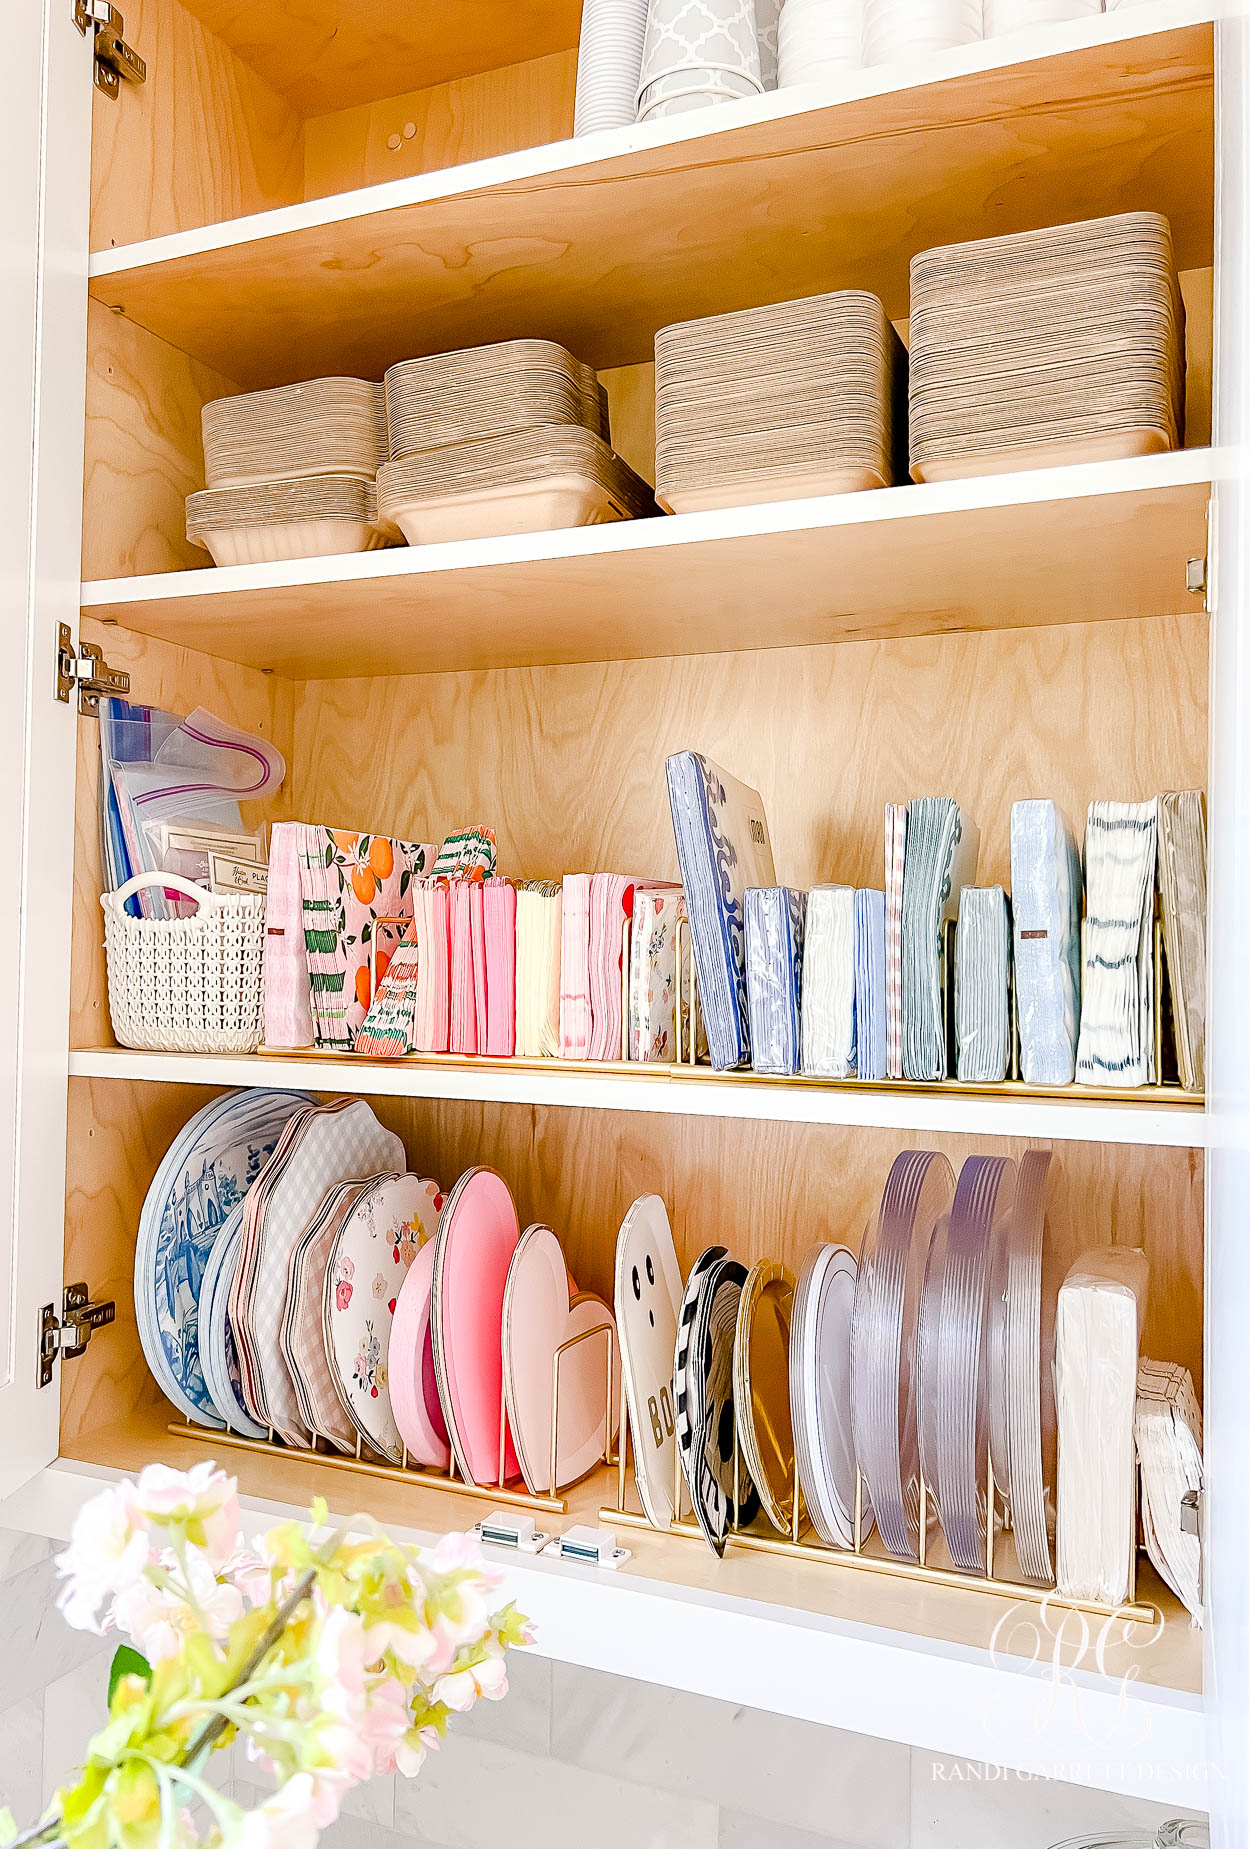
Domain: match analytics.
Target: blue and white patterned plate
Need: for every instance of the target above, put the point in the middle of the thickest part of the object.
(202, 1179)
(219, 1361)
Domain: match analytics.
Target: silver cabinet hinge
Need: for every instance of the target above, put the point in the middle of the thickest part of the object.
(114, 58)
(86, 669)
(1196, 577)
(66, 1336)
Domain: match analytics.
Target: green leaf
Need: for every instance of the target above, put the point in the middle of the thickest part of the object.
(127, 1662)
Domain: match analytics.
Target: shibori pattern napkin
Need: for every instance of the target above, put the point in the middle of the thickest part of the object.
(774, 968)
(895, 852)
(1116, 1044)
(348, 881)
(388, 1031)
(940, 859)
(1183, 901)
(982, 964)
(723, 847)
(538, 922)
(829, 983)
(1046, 929)
(869, 982)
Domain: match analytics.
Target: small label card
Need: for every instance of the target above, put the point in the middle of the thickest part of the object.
(228, 873)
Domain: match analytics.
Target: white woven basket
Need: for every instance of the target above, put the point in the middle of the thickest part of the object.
(186, 985)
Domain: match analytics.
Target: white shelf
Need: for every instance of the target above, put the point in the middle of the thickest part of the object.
(966, 1700)
(1011, 1112)
(1092, 541)
(816, 187)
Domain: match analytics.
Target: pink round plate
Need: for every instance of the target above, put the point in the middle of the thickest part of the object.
(538, 1319)
(414, 1385)
(473, 1249)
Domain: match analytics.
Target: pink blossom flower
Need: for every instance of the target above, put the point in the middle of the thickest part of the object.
(458, 1692)
(203, 1501)
(108, 1551)
(284, 1821)
(159, 1619)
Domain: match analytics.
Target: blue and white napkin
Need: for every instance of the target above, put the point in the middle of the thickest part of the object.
(774, 965)
(1046, 915)
(722, 848)
(982, 1006)
(940, 859)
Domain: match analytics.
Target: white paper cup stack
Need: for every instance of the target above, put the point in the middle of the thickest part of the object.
(697, 53)
(896, 31)
(609, 58)
(1004, 16)
(819, 39)
(1046, 347)
(767, 26)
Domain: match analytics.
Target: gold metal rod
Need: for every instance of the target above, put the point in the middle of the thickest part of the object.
(421, 1479)
(859, 1511)
(989, 1514)
(923, 1545)
(622, 1451)
(503, 1432)
(574, 1341)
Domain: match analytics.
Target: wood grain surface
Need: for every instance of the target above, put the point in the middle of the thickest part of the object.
(204, 139)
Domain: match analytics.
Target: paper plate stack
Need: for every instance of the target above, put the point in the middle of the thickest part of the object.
(1054, 346)
(290, 473)
(769, 404)
(510, 438)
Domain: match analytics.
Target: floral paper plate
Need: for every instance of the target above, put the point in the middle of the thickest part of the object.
(368, 1264)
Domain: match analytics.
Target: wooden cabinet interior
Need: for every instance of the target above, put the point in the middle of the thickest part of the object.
(252, 107)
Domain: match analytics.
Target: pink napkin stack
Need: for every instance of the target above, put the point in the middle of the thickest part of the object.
(463, 966)
(575, 1019)
(431, 907)
(288, 1017)
(611, 903)
(499, 905)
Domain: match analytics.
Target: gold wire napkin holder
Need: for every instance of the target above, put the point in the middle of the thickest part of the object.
(449, 1481)
(795, 1546)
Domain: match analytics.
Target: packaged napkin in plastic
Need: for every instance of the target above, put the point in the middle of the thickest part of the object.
(941, 859)
(499, 920)
(774, 953)
(1116, 1042)
(1183, 903)
(1168, 1427)
(575, 967)
(1046, 927)
(654, 996)
(829, 983)
(982, 985)
(722, 848)
(1098, 1324)
(288, 1015)
(611, 903)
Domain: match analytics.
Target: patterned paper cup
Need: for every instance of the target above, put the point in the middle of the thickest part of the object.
(685, 37)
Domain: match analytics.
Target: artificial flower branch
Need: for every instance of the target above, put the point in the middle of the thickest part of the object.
(330, 1663)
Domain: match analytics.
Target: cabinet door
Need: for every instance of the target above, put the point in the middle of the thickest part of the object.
(45, 138)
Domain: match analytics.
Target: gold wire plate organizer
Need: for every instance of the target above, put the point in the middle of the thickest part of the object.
(450, 1481)
(687, 1066)
(796, 1545)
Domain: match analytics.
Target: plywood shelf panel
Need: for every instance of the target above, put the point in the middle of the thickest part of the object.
(1160, 1118)
(1100, 540)
(598, 242)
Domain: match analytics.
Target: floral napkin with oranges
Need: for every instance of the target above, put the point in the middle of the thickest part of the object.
(355, 892)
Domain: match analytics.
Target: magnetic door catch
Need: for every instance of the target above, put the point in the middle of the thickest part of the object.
(1196, 577)
(66, 1336)
(84, 667)
(114, 58)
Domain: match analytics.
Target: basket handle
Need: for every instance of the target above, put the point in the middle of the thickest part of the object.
(172, 882)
